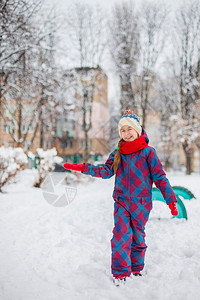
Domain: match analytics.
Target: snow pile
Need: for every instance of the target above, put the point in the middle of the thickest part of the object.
(12, 160)
(48, 159)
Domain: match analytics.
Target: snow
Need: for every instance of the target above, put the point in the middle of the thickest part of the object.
(51, 253)
(11, 161)
(48, 159)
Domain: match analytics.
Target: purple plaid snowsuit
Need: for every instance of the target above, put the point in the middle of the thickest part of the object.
(133, 202)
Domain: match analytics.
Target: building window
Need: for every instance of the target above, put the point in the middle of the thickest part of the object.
(83, 144)
(30, 128)
(47, 144)
(8, 128)
(12, 129)
(66, 143)
(24, 128)
(69, 144)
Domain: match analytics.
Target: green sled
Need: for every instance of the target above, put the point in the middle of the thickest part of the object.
(183, 192)
(182, 213)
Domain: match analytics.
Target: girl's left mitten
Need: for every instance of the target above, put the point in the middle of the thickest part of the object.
(173, 208)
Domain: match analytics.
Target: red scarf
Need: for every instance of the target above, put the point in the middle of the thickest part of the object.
(133, 146)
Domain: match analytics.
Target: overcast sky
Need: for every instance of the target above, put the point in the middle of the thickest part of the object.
(62, 4)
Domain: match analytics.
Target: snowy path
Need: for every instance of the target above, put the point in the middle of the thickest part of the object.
(62, 253)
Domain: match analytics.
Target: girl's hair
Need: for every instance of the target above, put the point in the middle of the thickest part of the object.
(117, 158)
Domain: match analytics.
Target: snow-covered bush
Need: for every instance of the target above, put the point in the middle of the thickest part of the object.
(12, 160)
(48, 159)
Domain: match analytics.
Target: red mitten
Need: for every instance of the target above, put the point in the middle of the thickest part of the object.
(173, 208)
(74, 167)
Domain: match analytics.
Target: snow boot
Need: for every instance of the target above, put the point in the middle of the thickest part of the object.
(119, 280)
(136, 273)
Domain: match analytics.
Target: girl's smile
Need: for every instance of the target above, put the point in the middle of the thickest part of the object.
(128, 133)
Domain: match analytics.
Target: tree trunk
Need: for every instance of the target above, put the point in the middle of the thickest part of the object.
(167, 164)
(19, 120)
(188, 163)
(86, 154)
(144, 117)
(127, 98)
(41, 134)
(188, 155)
(145, 100)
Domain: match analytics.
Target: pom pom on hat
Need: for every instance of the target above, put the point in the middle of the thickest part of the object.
(130, 119)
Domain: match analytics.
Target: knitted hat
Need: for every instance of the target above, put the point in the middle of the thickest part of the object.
(130, 119)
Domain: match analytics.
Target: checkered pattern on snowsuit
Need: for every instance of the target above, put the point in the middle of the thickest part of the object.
(133, 203)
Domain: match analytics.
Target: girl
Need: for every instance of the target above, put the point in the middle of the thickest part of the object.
(136, 166)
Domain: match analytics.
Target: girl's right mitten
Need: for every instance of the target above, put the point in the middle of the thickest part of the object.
(74, 167)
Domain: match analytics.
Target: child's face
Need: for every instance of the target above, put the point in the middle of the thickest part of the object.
(128, 133)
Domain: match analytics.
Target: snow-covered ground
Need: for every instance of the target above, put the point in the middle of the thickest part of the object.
(63, 253)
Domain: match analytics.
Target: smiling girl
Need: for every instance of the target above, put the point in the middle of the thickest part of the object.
(136, 166)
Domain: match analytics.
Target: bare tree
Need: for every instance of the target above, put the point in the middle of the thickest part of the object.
(152, 40)
(124, 40)
(88, 86)
(86, 35)
(48, 76)
(15, 16)
(29, 74)
(186, 43)
(166, 103)
(15, 43)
